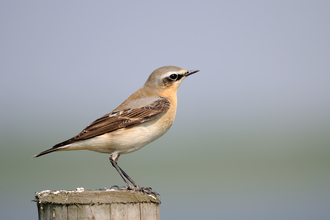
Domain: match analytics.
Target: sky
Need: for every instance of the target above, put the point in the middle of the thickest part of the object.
(251, 135)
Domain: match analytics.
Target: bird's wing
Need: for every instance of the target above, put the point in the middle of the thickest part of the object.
(121, 119)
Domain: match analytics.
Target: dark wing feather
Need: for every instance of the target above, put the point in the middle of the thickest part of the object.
(123, 119)
(117, 120)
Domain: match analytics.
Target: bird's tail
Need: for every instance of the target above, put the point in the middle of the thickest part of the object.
(46, 152)
(57, 147)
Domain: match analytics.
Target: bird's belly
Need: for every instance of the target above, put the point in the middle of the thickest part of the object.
(132, 139)
(124, 140)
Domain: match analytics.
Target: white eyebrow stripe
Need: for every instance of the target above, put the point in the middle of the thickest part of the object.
(170, 73)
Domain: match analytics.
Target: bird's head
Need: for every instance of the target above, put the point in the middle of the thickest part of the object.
(167, 78)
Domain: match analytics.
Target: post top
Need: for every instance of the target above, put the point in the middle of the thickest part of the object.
(82, 196)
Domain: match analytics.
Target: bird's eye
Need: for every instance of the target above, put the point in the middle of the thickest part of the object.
(173, 76)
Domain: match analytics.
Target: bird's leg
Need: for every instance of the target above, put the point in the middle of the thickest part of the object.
(129, 178)
(119, 170)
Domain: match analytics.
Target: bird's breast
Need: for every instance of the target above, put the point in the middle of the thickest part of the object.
(131, 139)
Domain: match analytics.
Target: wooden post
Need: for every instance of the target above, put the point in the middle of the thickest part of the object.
(83, 204)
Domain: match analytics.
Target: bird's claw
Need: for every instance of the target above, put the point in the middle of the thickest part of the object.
(120, 187)
(147, 190)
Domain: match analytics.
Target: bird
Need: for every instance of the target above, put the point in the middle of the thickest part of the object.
(142, 118)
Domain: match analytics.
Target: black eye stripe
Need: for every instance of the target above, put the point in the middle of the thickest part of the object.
(175, 77)
(179, 76)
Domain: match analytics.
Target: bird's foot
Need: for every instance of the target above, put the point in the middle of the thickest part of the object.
(120, 187)
(147, 190)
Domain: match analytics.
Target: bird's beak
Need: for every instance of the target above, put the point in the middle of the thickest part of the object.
(189, 72)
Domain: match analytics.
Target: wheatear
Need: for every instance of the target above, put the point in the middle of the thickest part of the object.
(142, 118)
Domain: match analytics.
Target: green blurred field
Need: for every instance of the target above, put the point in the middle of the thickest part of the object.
(288, 171)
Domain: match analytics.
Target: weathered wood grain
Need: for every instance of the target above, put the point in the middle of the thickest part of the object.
(96, 204)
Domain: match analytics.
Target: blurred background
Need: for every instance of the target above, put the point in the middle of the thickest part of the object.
(251, 138)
